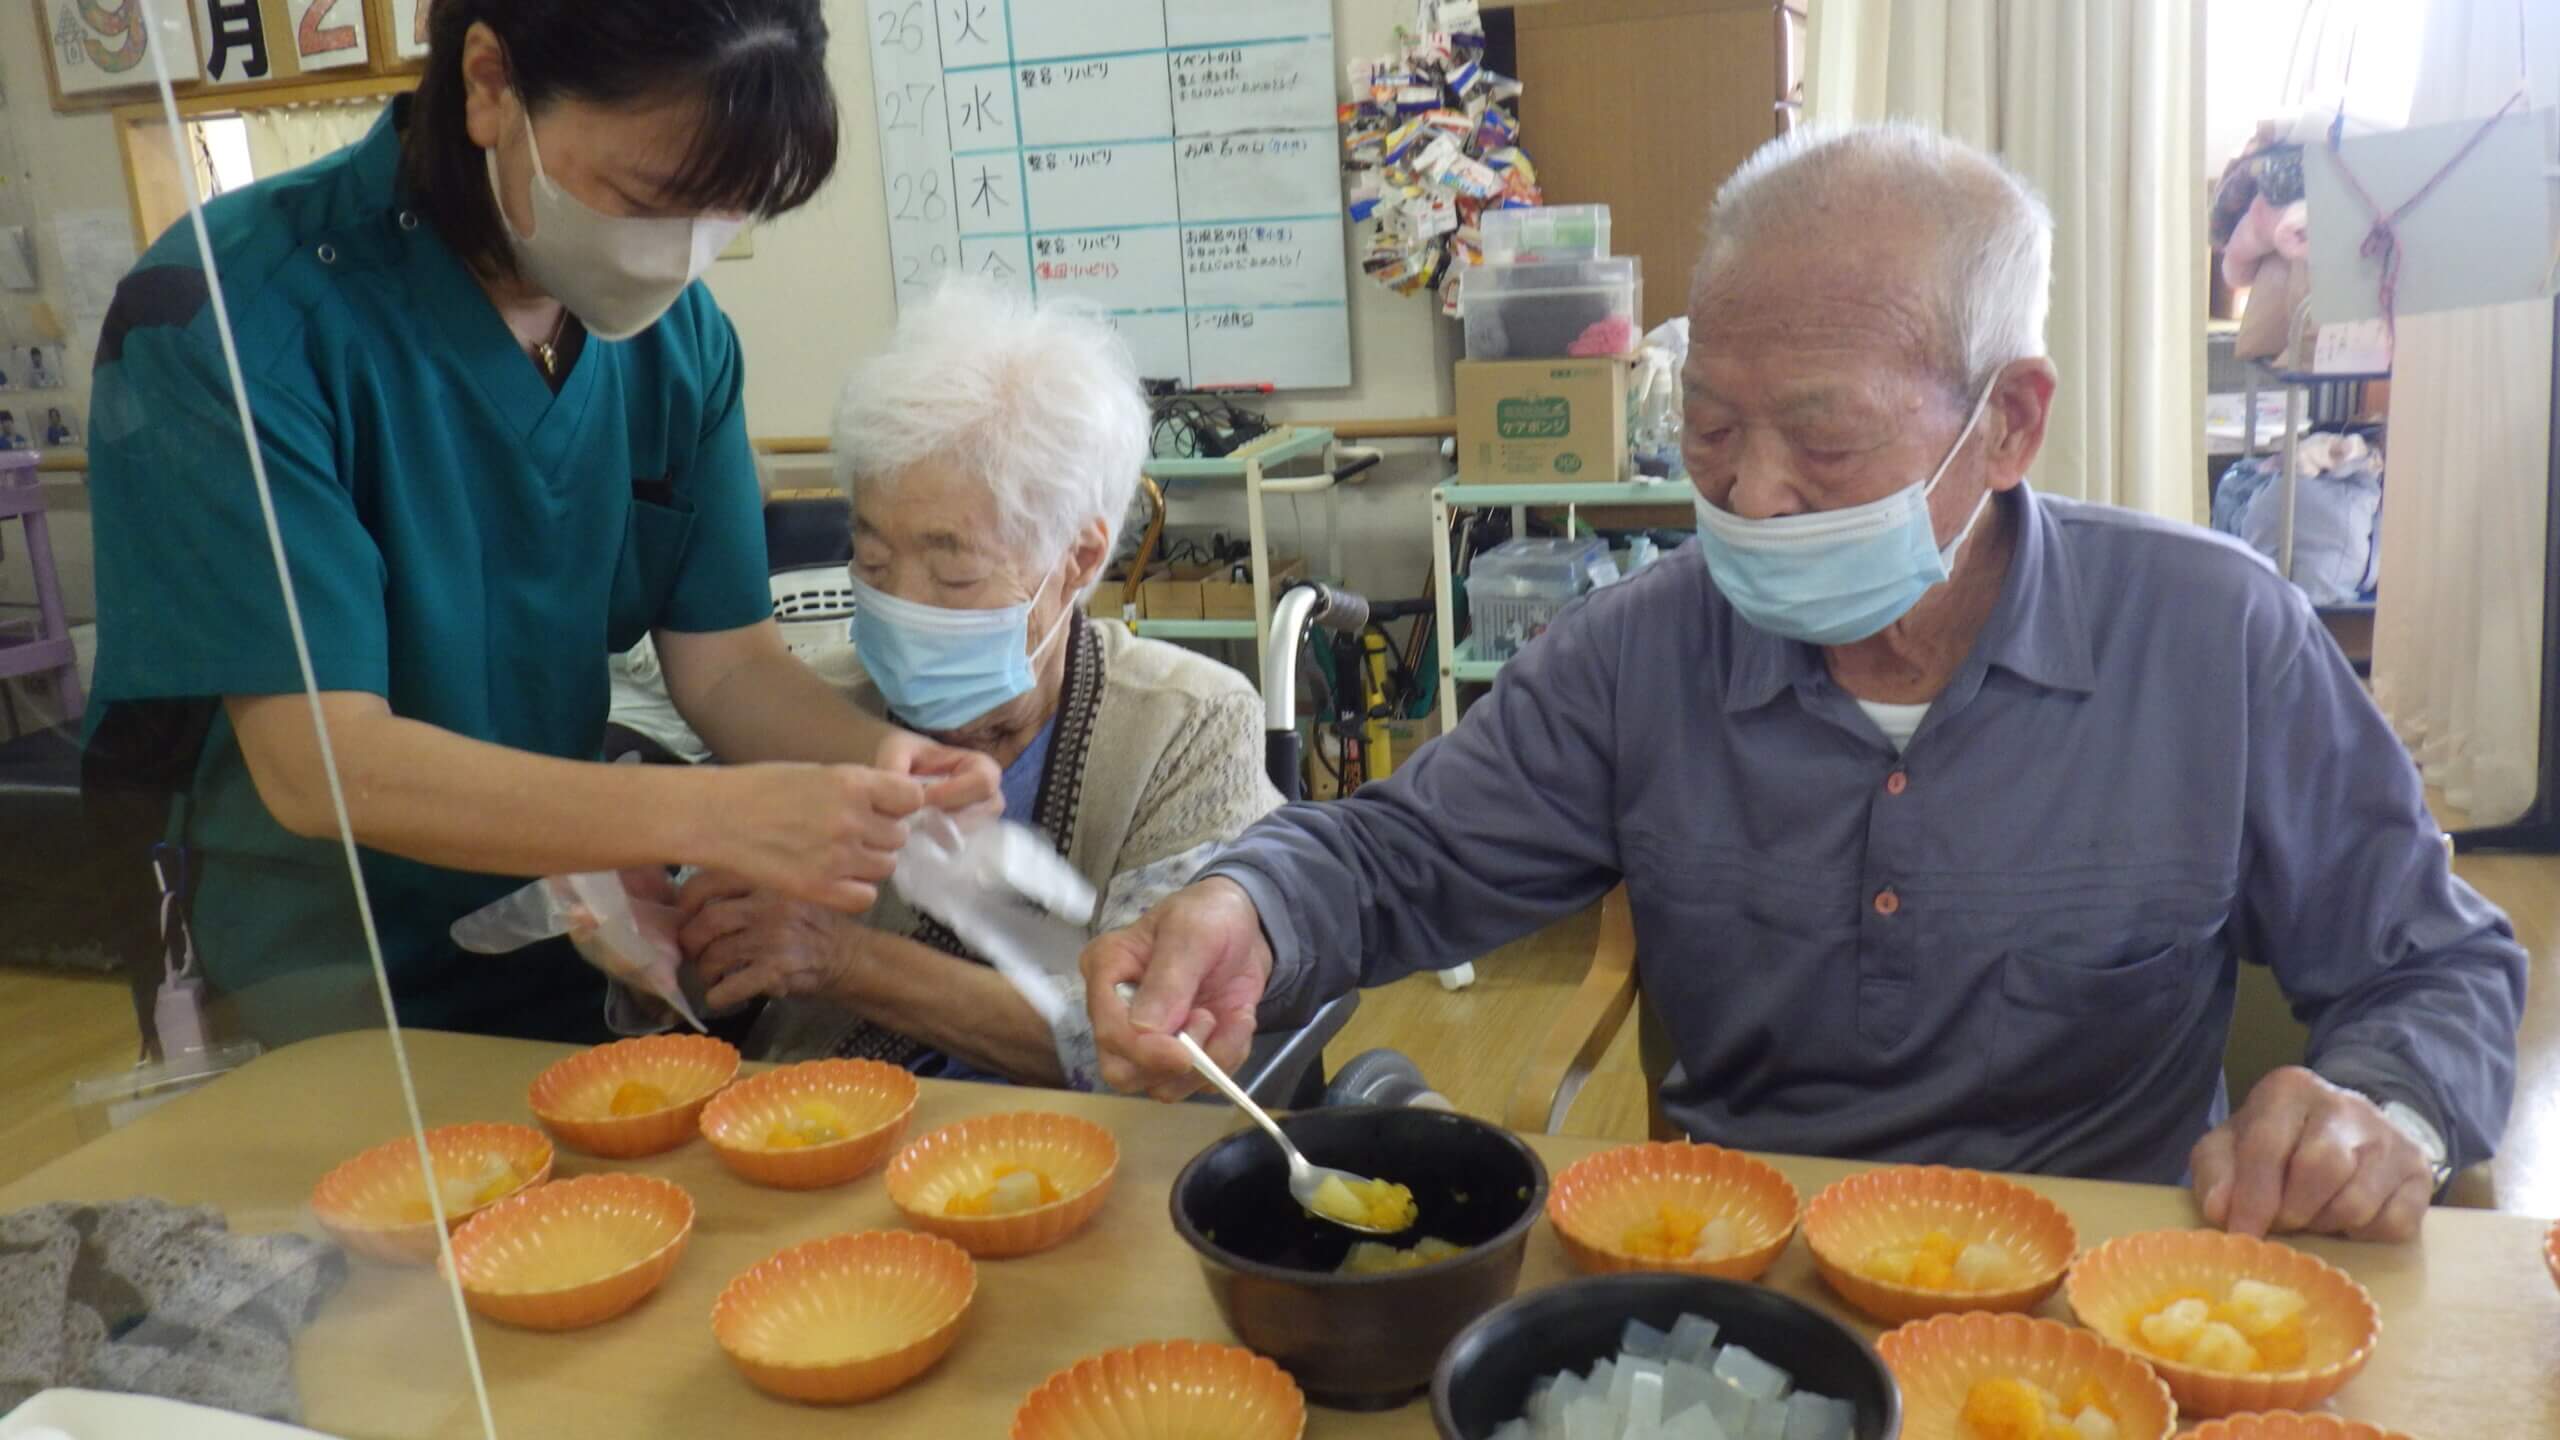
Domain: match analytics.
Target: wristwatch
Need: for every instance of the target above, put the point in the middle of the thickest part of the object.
(2405, 1118)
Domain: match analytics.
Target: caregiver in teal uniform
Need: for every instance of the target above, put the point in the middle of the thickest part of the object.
(503, 429)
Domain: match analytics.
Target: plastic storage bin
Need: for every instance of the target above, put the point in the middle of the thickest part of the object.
(1584, 308)
(1545, 234)
(1515, 589)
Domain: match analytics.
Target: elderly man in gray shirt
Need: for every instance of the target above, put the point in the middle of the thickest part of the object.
(1948, 811)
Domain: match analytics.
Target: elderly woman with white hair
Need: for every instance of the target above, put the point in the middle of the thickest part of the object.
(991, 452)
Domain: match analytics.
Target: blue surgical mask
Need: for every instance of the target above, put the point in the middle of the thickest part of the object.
(1835, 577)
(938, 668)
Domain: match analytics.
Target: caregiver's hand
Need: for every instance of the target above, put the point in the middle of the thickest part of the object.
(2303, 1154)
(828, 834)
(956, 780)
(1200, 963)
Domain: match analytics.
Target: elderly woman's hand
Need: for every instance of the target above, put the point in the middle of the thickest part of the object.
(741, 942)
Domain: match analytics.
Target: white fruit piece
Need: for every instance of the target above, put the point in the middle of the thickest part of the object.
(2219, 1347)
(1014, 1194)
(1720, 1239)
(1983, 1266)
(2174, 1329)
(2255, 1307)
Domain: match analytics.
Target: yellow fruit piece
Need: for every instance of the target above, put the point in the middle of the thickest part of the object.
(493, 1180)
(2090, 1396)
(492, 1183)
(2015, 1409)
(811, 1122)
(638, 1097)
(2004, 1410)
(1017, 1188)
(1672, 1234)
(1371, 1258)
(2282, 1347)
(1889, 1263)
(1380, 1205)
(1938, 1261)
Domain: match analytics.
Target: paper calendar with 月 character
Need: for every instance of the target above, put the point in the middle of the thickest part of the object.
(1169, 162)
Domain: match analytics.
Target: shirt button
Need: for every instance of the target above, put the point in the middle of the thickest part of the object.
(408, 220)
(328, 254)
(1887, 903)
(1896, 783)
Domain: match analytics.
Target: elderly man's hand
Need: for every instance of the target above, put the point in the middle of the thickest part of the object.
(741, 942)
(1201, 964)
(2303, 1154)
(956, 780)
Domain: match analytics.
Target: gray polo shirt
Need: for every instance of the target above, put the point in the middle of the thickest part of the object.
(2011, 946)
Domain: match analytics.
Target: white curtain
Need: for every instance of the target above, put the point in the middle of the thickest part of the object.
(288, 137)
(2097, 105)
(2457, 649)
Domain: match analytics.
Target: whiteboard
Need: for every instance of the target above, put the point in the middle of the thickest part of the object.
(1171, 163)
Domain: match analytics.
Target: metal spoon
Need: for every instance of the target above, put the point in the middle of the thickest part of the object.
(1305, 1178)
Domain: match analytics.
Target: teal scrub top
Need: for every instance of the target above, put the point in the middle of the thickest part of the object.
(463, 542)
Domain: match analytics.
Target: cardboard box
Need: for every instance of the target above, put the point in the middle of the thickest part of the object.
(1233, 599)
(1528, 422)
(1169, 600)
(1104, 603)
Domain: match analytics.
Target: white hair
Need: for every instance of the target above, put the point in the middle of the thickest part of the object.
(1040, 402)
(1993, 232)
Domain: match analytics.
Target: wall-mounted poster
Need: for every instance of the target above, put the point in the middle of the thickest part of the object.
(329, 34)
(409, 28)
(242, 42)
(30, 367)
(98, 51)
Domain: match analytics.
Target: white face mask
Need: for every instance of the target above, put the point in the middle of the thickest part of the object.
(941, 668)
(616, 273)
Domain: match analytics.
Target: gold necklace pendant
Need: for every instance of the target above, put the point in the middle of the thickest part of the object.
(548, 358)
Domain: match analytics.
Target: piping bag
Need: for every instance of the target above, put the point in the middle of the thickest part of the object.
(630, 939)
(1004, 889)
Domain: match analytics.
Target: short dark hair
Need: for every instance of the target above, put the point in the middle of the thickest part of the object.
(769, 134)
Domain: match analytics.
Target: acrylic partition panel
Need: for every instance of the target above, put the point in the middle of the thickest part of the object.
(243, 1223)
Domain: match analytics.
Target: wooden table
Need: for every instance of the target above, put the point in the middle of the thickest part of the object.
(2470, 1349)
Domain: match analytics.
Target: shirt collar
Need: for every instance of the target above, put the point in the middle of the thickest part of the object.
(2037, 631)
(376, 163)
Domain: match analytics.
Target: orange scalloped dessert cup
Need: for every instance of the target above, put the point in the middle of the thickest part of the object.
(375, 1203)
(574, 1253)
(1165, 1390)
(633, 1097)
(1938, 1361)
(847, 1318)
(809, 1126)
(2289, 1425)
(1850, 1220)
(1076, 1158)
(1598, 1200)
(2112, 1287)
